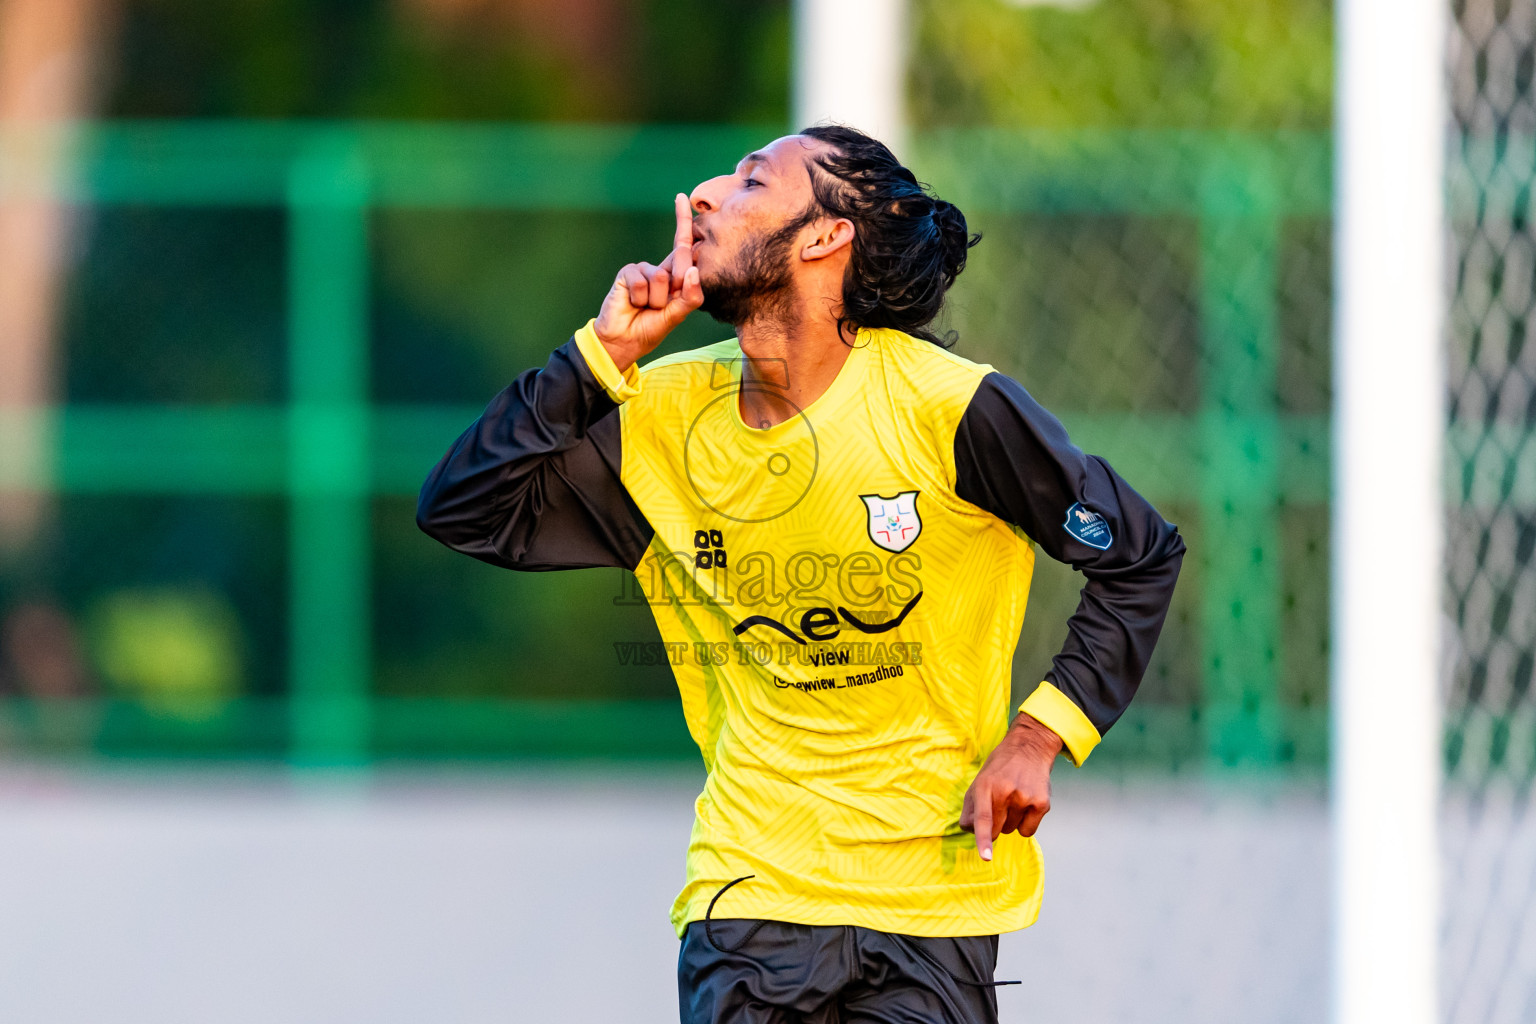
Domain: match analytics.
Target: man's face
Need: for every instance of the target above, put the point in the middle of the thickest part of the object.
(746, 227)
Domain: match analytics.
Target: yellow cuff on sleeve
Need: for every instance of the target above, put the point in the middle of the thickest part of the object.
(620, 386)
(1055, 710)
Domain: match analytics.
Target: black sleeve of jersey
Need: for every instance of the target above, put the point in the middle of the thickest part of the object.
(534, 483)
(1013, 459)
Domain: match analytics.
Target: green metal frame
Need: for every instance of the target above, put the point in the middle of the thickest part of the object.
(328, 450)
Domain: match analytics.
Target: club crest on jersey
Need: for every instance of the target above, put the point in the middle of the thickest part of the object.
(893, 522)
(1088, 526)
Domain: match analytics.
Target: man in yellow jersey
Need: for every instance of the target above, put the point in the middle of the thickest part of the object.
(835, 518)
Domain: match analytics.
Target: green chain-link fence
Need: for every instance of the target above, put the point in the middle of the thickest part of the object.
(365, 288)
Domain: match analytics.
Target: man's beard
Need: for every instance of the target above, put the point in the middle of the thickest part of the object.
(757, 286)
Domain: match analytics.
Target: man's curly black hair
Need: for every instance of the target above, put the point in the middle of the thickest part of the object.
(908, 246)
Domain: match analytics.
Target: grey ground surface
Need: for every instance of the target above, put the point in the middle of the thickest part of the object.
(541, 896)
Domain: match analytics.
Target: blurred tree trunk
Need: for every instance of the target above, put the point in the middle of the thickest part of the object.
(50, 52)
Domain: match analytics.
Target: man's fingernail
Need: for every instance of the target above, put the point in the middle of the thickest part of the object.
(986, 854)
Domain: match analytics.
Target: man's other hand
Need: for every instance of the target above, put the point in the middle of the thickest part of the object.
(646, 302)
(1012, 792)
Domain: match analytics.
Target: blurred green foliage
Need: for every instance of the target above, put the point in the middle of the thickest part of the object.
(1260, 65)
(176, 649)
(590, 60)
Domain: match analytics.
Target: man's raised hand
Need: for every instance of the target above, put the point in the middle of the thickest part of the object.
(646, 302)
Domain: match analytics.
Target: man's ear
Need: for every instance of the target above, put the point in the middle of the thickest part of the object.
(832, 236)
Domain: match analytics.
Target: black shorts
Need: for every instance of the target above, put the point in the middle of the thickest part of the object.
(770, 972)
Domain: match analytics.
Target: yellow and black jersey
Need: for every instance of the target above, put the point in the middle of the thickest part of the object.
(843, 591)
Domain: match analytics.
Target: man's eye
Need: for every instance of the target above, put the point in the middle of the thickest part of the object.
(751, 181)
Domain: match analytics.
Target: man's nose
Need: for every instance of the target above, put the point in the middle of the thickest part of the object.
(706, 195)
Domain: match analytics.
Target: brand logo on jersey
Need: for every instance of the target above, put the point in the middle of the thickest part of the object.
(893, 522)
(1088, 526)
(709, 549)
(820, 624)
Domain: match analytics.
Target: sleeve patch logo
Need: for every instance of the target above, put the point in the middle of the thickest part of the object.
(893, 522)
(1088, 526)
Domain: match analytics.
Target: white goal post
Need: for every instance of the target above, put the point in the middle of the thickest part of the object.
(1389, 424)
(850, 66)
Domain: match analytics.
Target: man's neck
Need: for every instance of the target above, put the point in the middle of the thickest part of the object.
(790, 362)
